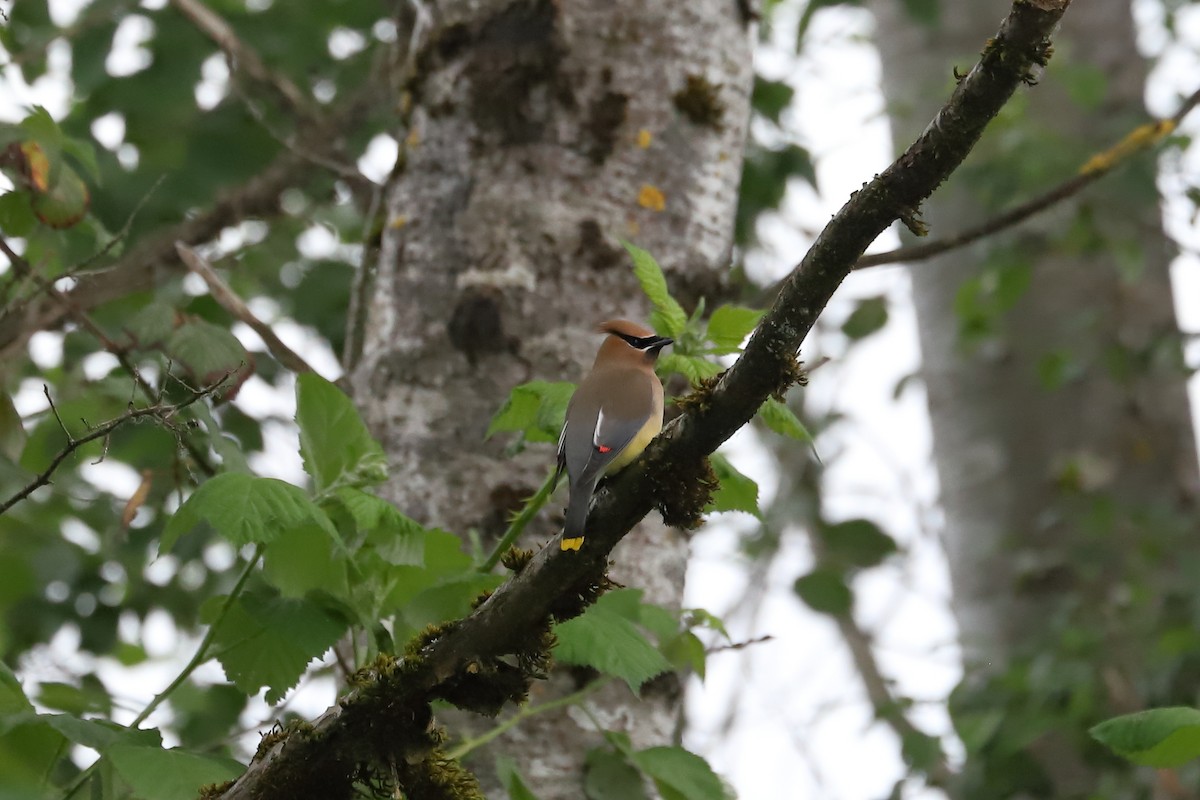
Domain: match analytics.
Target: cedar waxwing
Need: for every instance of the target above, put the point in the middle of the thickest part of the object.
(611, 418)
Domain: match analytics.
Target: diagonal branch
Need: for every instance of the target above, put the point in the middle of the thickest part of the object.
(340, 735)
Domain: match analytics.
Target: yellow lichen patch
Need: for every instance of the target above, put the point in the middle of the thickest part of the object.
(645, 137)
(413, 139)
(397, 223)
(573, 543)
(1140, 137)
(652, 198)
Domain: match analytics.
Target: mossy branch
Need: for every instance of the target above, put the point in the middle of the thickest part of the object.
(500, 624)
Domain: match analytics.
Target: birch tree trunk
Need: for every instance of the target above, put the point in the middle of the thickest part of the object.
(1063, 440)
(542, 133)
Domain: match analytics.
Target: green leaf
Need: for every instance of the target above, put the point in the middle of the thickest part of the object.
(510, 777)
(825, 590)
(12, 432)
(335, 444)
(100, 735)
(736, 492)
(771, 98)
(1161, 737)
(680, 774)
(16, 213)
(157, 774)
(536, 409)
(393, 536)
(924, 12)
(686, 651)
(12, 696)
(266, 640)
(694, 368)
(245, 508)
(654, 284)
(605, 638)
(730, 325)
(607, 775)
(305, 559)
(152, 325)
(779, 418)
(209, 351)
(857, 543)
(868, 316)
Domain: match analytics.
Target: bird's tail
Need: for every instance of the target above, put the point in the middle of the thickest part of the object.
(577, 512)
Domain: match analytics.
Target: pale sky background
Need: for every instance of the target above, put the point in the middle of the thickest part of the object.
(804, 724)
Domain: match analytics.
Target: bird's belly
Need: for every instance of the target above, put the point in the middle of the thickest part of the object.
(636, 445)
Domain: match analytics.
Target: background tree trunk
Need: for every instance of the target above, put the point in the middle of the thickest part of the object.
(541, 134)
(1062, 433)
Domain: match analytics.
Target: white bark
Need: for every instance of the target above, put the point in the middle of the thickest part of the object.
(525, 162)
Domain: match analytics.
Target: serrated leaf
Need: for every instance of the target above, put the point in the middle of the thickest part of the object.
(825, 590)
(680, 774)
(393, 536)
(157, 774)
(729, 326)
(266, 640)
(694, 368)
(736, 492)
(869, 315)
(605, 638)
(536, 409)
(672, 320)
(100, 735)
(779, 418)
(245, 508)
(334, 442)
(857, 543)
(305, 559)
(607, 775)
(1161, 737)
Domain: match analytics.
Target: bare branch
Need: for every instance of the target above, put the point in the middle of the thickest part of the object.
(163, 412)
(230, 301)
(245, 58)
(1138, 140)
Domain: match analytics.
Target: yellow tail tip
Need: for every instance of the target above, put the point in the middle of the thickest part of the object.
(572, 544)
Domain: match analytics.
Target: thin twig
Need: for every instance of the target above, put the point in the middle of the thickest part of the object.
(198, 658)
(245, 58)
(119, 351)
(524, 713)
(161, 411)
(1139, 139)
(229, 300)
(532, 506)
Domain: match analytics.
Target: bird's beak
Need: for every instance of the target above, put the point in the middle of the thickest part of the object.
(659, 342)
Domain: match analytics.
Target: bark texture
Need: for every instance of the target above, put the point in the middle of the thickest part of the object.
(541, 134)
(1023, 464)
